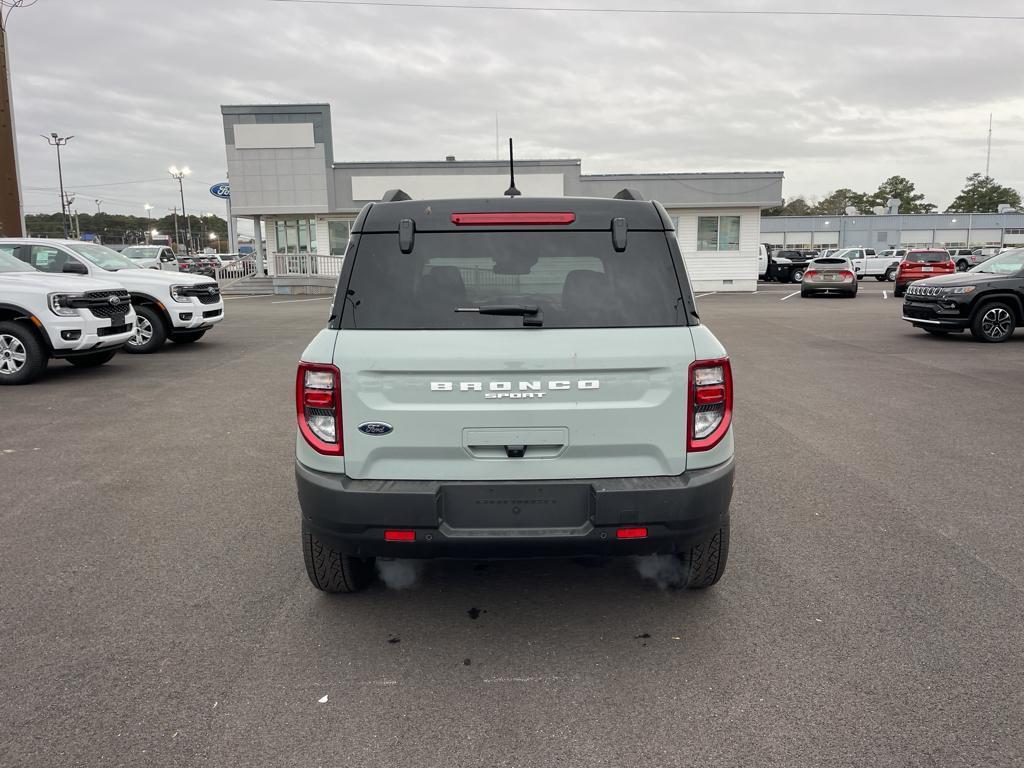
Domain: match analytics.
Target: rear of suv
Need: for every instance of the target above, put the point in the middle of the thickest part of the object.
(509, 377)
(922, 263)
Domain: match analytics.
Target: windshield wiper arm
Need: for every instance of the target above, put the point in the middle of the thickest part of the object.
(531, 315)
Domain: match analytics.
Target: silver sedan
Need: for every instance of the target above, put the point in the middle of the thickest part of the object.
(829, 275)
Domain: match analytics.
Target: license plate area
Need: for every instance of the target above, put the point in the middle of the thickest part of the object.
(511, 507)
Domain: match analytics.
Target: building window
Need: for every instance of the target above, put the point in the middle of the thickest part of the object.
(675, 223)
(338, 232)
(295, 235)
(718, 233)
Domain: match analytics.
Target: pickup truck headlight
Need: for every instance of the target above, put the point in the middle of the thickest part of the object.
(958, 291)
(177, 295)
(59, 304)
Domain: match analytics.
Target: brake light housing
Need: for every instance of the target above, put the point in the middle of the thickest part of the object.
(318, 407)
(515, 218)
(709, 404)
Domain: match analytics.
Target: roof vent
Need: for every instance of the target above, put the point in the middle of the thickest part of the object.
(450, 158)
(628, 194)
(394, 196)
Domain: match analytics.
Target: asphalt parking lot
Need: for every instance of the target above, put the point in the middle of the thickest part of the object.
(155, 611)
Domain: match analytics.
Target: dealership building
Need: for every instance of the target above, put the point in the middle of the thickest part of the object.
(975, 230)
(284, 178)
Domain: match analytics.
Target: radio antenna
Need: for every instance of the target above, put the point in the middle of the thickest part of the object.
(511, 191)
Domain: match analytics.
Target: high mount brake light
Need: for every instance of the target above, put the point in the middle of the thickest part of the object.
(708, 404)
(516, 219)
(318, 407)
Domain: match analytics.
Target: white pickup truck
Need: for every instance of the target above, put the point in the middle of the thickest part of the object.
(78, 319)
(867, 263)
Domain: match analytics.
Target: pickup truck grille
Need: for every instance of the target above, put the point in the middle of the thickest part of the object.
(108, 303)
(207, 293)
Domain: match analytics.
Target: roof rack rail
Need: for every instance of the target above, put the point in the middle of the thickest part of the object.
(628, 193)
(395, 196)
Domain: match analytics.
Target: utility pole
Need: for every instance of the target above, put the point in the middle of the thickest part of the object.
(988, 155)
(177, 237)
(12, 222)
(98, 206)
(180, 175)
(59, 141)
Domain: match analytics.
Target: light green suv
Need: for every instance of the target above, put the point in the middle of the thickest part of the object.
(513, 377)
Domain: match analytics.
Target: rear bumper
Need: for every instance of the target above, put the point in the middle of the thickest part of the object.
(352, 515)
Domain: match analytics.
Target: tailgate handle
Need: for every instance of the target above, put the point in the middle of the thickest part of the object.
(515, 451)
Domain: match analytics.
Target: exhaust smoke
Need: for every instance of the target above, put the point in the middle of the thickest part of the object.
(667, 571)
(400, 574)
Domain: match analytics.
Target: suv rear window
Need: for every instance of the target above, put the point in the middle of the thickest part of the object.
(829, 261)
(576, 279)
(927, 256)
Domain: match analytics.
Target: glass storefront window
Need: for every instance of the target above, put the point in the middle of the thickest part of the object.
(295, 235)
(718, 233)
(338, 232)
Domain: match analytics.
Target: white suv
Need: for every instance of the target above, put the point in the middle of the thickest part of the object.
(169, 305)
(42, 316)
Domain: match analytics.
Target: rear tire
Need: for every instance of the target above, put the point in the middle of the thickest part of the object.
(187, 337)
(93, 360)
(22, 357)
(796, 276)
(330, 570)
(705, 562)
(993, 322)
(898, 292)
(150, 331)
(890, 275)
(962, 266)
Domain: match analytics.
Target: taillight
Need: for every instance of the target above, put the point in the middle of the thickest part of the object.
(847, 275)
(318, 407)
(709, 403)
(810, 273)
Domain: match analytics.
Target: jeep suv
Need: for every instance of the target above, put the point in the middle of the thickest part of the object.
(988, 300)
(513, 377)
(45, 316)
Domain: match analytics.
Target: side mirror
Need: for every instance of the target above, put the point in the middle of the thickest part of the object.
(75, 268)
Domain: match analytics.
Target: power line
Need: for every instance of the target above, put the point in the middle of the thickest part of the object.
(107, 184)
(663, 11)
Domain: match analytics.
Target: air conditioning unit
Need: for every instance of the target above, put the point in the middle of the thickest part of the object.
(1006, 208)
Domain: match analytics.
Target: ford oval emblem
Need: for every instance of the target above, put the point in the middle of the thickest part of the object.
(375, 428)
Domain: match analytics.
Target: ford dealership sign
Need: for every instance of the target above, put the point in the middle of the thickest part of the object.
(222, 190)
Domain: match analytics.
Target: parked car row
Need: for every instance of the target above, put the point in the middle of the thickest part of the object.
(84, 302)
(790, 265)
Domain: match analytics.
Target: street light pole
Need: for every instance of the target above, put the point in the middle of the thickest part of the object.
(59, 141)
(180, 175)
(149, 216)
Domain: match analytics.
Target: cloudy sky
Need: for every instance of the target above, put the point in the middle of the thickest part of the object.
(833, 102)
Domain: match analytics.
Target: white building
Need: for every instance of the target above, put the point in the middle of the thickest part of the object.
(283, 176)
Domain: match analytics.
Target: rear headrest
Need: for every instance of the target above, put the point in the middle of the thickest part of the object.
(444, 285)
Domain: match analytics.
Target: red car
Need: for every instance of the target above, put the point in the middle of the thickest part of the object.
(920, 263)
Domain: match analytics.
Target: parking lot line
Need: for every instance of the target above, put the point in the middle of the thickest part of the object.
(299, 301)
(702, 295)
(794, 293)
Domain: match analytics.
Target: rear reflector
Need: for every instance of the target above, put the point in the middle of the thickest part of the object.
(518, 219)
(710, 395)
(631, 533)
(317, 399)
(399, 535)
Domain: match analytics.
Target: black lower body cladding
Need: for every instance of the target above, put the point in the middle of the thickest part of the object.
(515, 519)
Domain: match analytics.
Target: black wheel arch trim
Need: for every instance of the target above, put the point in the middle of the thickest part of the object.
(144, 299)
(25, 315)
(1011, 298)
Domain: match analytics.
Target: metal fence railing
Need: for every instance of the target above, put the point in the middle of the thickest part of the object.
(312, 264)
(236, 270)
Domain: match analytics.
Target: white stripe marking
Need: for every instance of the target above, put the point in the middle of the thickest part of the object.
(298, 301)
(794, 293)
(702, 295)
(885, 294)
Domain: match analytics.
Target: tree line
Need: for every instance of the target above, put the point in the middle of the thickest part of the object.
(120, 228)
(981, 194)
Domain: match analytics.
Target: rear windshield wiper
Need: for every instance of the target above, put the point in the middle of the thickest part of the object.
(531, 315)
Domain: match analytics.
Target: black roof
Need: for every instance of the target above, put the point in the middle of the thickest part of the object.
(592, 213)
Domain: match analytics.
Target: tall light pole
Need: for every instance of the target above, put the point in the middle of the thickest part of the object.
(180, 175)
(149, 217)
(59, 141)
(98, 203)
